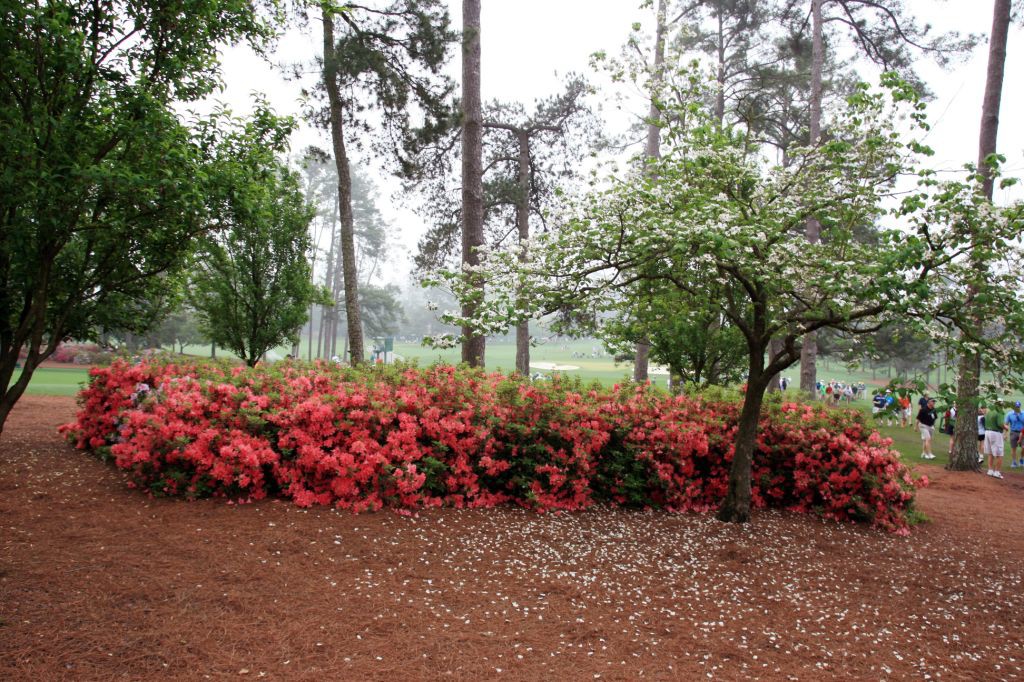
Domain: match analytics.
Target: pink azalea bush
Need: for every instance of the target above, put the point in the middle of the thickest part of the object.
(410, 438)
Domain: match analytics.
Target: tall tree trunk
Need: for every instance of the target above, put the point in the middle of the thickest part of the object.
(523, 224)
(720, 96)
(965, 456)
(337, 293)
(346, 240)
(473, 345)
(809, 351)
(993, 90)
(309, 339)
(320, 332)
(323, 340)
(652, 152)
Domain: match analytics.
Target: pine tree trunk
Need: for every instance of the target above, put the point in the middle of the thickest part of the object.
(809, 350)
(993, 89)
(720, 77)
(323, 339)
(653, 151)
(349, 271)
(320, 332)
(346, 240)
(474, 345)
(965, 457)
(523, 225)
(309, 339)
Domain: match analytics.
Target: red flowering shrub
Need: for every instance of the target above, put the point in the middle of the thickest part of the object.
(81, 354)
(409, 438)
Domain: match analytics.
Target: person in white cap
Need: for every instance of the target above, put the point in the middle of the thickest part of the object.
(1015, 422)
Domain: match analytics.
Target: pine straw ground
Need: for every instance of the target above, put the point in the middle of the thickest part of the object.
(100, 582)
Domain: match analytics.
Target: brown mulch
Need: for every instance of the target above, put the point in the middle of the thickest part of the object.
(100, 582)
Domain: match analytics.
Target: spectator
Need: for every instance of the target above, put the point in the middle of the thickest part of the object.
(949, 426)
(995, 425)
(904, 401)
(877, 405)
(926, 423)
(981, 433)
(1015, 422)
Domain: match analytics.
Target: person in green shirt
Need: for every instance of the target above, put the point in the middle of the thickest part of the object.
(995, 426)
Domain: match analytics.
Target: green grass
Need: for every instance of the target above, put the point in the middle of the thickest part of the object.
(502, 357)
(57, 381)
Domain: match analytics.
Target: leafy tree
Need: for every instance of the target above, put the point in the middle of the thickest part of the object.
(698, 345)
(374, 249)
(974, 309)
(102, 188)
(970, 361)
(252, 281)
(525, 157)
(884, 33)
(720, 227)
(382, 311)
(180, 328)
(386, 57)
(732, 33)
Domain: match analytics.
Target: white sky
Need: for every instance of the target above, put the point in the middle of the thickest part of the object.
(560, 35)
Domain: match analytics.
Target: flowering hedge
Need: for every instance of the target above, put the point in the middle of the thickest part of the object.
(410, 438)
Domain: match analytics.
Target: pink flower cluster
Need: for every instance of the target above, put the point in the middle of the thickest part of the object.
(409, 438)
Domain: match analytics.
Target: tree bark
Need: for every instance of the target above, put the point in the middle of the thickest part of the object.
(774, 349)
(346, 229)
(720, 95)
(809, 350)
(736, 506)
(323, 339)
(965, 456)
(993, 90)
(30, 336)
(13, 392)
(652, 152)
(523, 225)
(309, 339)
(473, 345)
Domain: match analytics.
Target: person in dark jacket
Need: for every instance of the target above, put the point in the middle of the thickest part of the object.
(926, 423)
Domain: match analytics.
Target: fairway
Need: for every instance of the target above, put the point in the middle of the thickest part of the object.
(502, 357)
(56, 381)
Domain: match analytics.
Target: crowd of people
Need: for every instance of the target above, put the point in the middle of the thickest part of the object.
(834, 392)
(996, 427)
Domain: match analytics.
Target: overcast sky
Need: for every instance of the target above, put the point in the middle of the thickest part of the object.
(529, 45)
